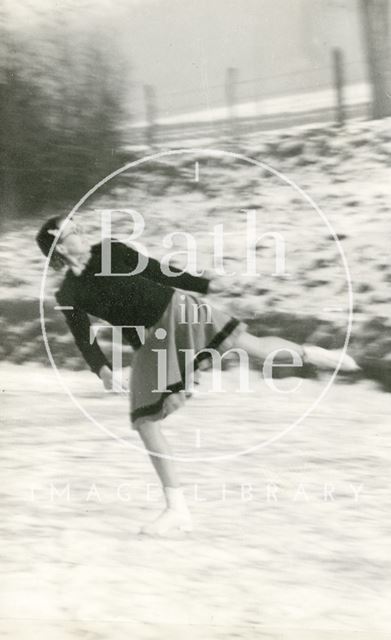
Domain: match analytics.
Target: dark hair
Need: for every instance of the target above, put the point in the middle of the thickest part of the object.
(45, 240)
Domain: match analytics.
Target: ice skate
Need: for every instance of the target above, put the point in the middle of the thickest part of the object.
(327, 359)
(169, 521)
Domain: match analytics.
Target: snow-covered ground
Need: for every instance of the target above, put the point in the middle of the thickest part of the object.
(291, 541)
(346, 173)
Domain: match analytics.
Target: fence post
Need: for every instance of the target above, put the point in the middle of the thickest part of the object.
(339, 81)
(375, 18)
(150, 114)
(231, 80)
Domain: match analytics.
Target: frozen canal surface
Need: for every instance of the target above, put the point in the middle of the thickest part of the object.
(291, 540)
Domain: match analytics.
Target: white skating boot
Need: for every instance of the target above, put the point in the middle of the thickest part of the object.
(327, 359)
(175, 517)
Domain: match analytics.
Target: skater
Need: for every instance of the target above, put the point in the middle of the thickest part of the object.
(157, 303)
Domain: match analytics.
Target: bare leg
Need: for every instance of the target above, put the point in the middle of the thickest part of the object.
(155, 442)
(260, 348)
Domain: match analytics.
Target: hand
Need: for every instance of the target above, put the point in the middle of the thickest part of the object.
(218, 284)
(115, 381)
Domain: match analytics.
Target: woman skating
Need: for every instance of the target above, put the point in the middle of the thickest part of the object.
(162, 318)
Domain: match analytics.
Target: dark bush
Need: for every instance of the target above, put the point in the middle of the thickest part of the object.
(61, 111)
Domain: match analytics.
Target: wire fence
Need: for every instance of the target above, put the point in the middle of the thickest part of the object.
(334, 91)
(255, 94)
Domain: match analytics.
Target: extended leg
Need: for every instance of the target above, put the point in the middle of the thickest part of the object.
(260, 348)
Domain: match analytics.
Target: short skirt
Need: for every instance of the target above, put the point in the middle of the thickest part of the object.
(168, 363)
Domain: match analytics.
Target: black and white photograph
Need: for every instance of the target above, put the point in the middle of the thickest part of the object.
(195, 318)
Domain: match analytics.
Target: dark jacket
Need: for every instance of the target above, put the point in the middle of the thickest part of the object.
(138, 300)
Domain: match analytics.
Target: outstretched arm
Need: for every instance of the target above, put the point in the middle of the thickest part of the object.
(79, 324)
(153, 271)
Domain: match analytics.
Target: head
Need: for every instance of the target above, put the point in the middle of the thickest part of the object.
(71, 247)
